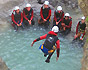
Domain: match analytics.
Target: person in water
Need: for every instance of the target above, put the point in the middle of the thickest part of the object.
(28, 15)
(58, 16)
(80, 29)
(51, 43)
(45, 14)
(66, 24)
(17, 18)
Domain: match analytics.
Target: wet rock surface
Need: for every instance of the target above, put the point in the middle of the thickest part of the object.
(84, 7)
(3, 66)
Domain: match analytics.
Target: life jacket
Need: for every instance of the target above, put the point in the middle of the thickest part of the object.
(45, 12)
(67, 21)
(59, 15)
(17, 17)
(82, 26)
(50, 41)
(28, 13)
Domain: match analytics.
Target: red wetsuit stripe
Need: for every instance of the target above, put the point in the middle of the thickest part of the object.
(77, 28)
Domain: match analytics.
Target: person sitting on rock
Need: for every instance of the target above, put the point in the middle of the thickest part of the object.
(80, 29)
(17, 18)
(45, 14)
(66, 24)
(28, 15)
(58, 17)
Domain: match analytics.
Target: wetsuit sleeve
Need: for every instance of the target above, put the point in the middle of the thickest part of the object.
(70, 24)
(21, 17)
(40, 38)
(25, 15)
(49, 14)
(41, 14)
(58, 47)
(32, 14)
(55, 17)
(12, 16)
(77, 28)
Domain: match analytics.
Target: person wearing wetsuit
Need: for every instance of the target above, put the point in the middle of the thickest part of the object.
(66, 24)
(17, 18)
(45, 14)
(80, 29)
(58, 17)
(28, 15)
(51, 43)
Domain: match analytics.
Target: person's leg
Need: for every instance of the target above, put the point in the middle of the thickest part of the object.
(49, 56)
(26, 23)
(22, 25)
(16, 27)
(32, 22)
(40, 22)
(46, 24)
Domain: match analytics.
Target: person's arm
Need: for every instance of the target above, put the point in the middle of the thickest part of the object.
(49, 14)
(32, 14)
(58, 48)
(41, 14)
(25, 15)
(40, 38)
(12, 16)
(21, 17)
(69, 26)
(77, 28)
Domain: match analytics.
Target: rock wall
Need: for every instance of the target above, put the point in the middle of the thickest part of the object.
(84, 7)
(3, 66)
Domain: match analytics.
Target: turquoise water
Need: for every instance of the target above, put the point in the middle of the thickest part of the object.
(16, 51)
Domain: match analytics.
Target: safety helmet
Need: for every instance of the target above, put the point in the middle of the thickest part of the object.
(46, 2)
(67, 14)
(59, 8)
(16, 8)
(55, 29)
(83, 18)
(28, 5)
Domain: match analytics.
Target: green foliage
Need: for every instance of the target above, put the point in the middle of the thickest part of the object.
(87, 19)
(87, 39)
